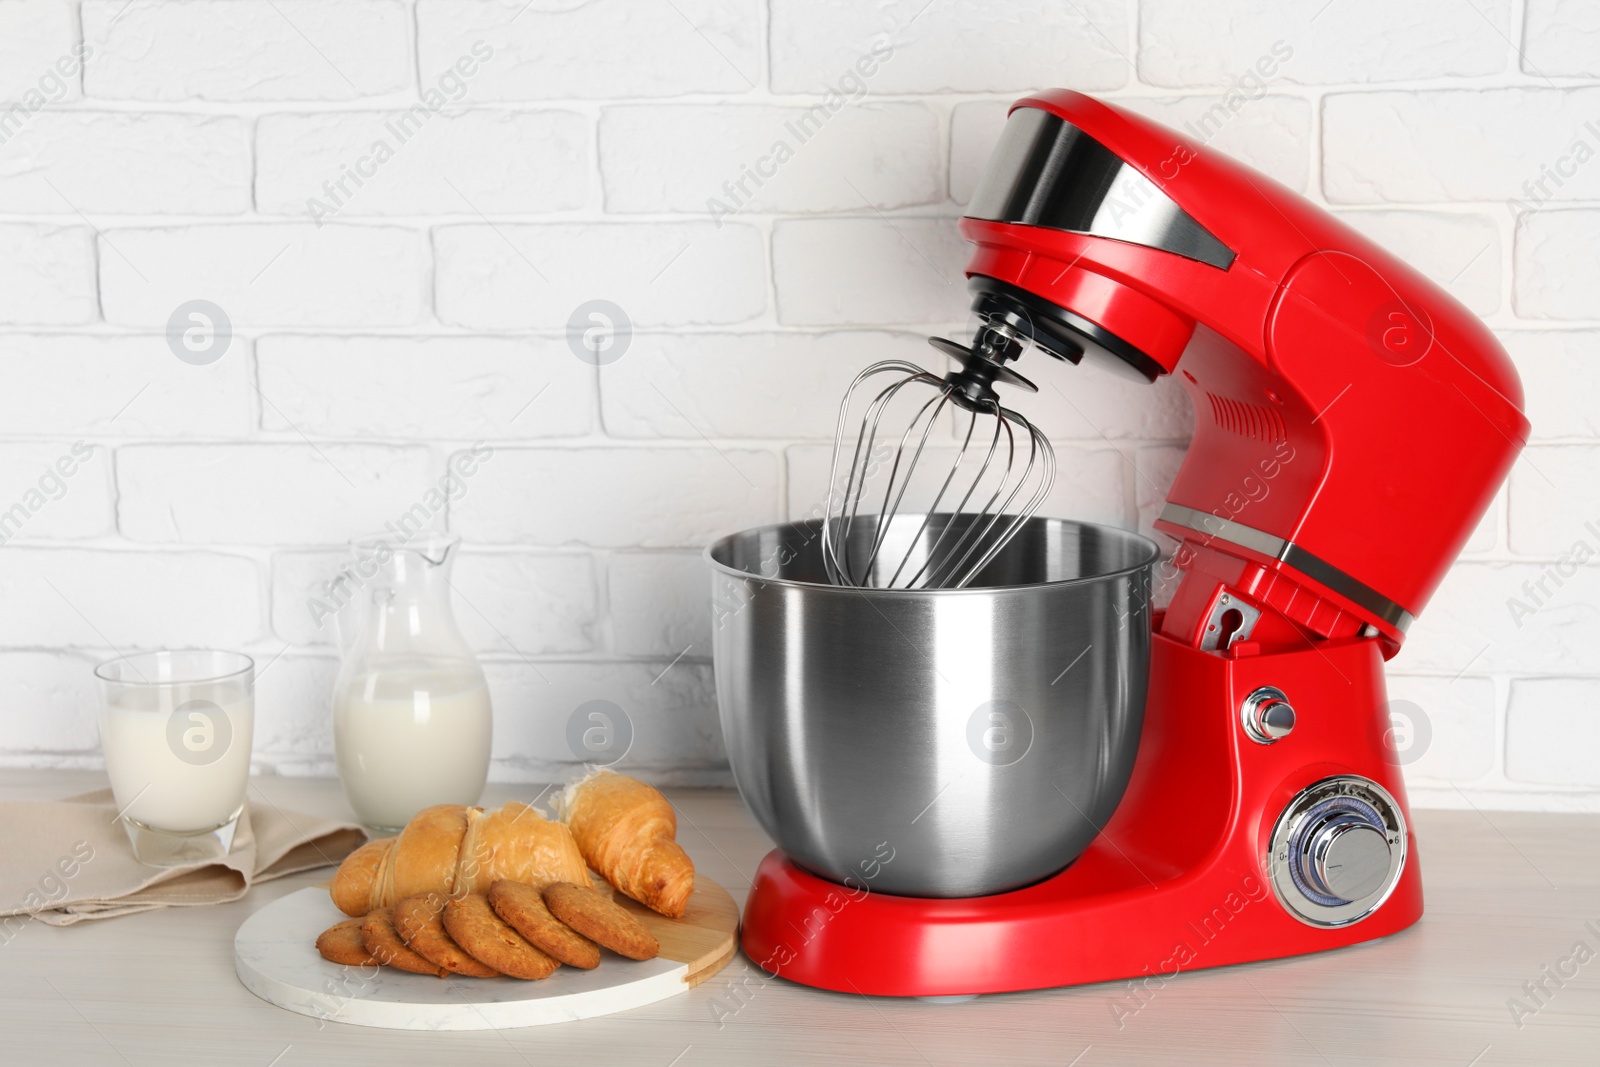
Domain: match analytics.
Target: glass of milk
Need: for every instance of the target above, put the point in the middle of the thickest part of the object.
(412, 723)
(176, 729)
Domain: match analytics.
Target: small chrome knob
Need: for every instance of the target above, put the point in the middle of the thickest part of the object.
(1348, 857)
(1267, 715)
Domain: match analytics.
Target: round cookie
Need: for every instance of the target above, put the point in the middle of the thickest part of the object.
(520, 905)
(341, 943)
(382, 941)
(600, 920)
(476, 928)
(420, 920)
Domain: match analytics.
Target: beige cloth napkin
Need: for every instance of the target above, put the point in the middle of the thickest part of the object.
(68, 860)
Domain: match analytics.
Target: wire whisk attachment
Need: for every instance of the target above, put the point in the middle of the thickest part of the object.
(1001, 470)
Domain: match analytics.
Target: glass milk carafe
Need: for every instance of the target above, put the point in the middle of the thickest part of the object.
(411, 716)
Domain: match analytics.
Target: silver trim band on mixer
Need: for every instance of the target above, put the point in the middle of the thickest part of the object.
(1215, 527)
(1047, 172)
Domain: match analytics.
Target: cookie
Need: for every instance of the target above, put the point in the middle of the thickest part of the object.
(341, 943)
(521, 905)
(600, 920)
(382, 942)
(420, 920)
(476, 928)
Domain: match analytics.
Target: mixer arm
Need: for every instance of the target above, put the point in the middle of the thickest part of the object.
(1389, 414)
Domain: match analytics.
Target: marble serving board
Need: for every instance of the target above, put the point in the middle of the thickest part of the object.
(276, 958)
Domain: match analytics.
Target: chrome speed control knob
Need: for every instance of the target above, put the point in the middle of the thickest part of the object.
(1267, 715)
(1347, 857)
(1337, 851)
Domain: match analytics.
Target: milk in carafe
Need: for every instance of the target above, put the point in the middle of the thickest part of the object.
(411, 737)
(412, 724)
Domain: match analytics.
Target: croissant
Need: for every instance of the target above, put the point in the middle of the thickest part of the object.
(626, 830)
(452, 850)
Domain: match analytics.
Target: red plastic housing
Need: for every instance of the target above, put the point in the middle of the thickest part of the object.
(1387, 414)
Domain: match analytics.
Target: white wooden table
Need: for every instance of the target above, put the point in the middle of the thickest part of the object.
(1508, 895)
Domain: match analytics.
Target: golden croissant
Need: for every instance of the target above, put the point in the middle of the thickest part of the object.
(452, 850)
(627, 830)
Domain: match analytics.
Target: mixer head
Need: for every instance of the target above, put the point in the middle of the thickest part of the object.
(1102, 237)
(1000, 473)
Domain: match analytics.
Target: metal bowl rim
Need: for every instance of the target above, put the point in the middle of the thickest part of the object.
(1153, 550)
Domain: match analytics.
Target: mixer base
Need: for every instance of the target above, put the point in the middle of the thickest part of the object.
(1178, 880)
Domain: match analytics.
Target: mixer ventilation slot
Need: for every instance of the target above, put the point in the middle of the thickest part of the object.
(1246, 420)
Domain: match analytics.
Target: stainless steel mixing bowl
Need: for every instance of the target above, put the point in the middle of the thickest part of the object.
(933, 743)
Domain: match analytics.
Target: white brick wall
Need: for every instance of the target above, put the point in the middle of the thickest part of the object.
(477, 387)
(1558, 374)
(658, 604)
(246, 49)
(109, 598)
(1456, 145)
(506, 162)
(605, 49)
(400, 205)
(109, 386)
(743, 385)
(34, 36)
(867, 270)
(264, 494)
(509, 277)
(716, 157)
(72, 478)
(1555, 277)
(265, 275)
(936, 48)
(49, 712)
(1561, 37)
(165, 164)
(1549, 738)
(1188, 44)
(618, 497)
(47, 277)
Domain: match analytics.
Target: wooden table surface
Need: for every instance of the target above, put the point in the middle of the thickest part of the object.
(1509, 895)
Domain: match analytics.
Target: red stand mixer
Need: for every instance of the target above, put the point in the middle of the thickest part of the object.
(1353, 423)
